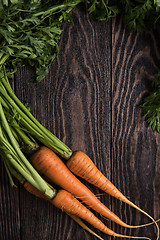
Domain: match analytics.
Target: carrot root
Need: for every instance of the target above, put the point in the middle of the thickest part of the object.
(69, 204)
(84, 226)
(81, 165)
(49, 164)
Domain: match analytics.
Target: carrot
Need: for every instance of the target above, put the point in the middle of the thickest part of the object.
(69, 204)
(49, 164)
(81, 165)
(30, 188)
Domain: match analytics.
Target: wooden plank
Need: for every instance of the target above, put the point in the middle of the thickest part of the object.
(135, 149)
(9, 209)
(74, 103)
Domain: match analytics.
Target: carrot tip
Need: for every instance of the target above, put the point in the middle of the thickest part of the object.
(84, 226)
(133, 237)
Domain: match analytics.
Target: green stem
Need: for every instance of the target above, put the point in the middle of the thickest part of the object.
(42, 137)
(27, 176)
(42, 185)
(28, 145)
(9, 154)
(56, 8)
(26, 142)
(11, 170)
(4, 104)
(3, 59)
(63, 150)
(8, 147)
(1, 54)
(9, 174)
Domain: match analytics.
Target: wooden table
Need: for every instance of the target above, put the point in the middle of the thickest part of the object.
(90, 100)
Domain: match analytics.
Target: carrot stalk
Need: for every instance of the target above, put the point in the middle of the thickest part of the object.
(81, 165)
(26, 118)
(47, 163)
(10, 150)
(69, 204)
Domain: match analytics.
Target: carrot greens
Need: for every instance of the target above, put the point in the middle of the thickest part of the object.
(25, 119)
(30, 32)
(15, 159)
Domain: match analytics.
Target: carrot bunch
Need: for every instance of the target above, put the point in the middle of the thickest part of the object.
(37, 166)
(48, 164)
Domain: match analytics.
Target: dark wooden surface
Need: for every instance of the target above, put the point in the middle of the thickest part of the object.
(90, 101)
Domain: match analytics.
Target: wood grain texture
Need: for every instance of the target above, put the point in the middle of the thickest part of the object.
(90, 101)
(135, 60)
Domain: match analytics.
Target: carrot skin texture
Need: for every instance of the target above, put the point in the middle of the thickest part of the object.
(48, 163)
(69, 204)
(81, 165)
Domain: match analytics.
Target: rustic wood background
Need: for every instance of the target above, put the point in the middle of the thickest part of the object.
(90, 100)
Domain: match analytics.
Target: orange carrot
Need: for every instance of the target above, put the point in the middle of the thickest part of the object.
(30, 188)
(81, 165)
(69, 204)
(49, 164)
